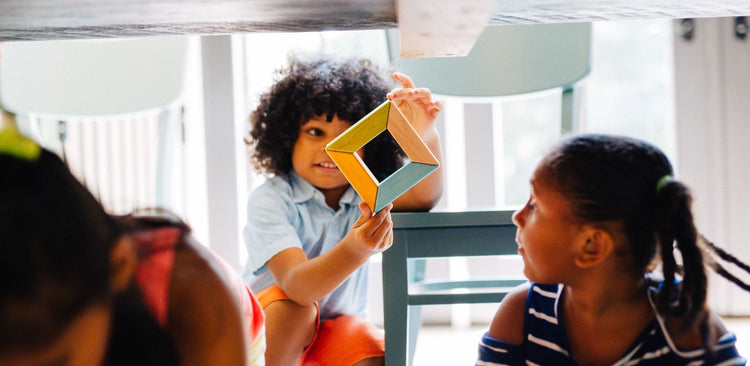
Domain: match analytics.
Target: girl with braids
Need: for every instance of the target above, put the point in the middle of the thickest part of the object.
(308, 233)
(79, 287)
(603, 214)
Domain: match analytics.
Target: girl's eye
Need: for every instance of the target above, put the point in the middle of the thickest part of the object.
(531, 204)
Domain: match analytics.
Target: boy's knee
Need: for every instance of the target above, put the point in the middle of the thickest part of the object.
(288, 316)
(290, 328)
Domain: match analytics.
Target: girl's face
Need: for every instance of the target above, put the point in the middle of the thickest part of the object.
(82, 343)
(545, 233)
(312, 163)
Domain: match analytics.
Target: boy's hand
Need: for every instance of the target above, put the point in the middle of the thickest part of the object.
(416, 104)
(371, 234)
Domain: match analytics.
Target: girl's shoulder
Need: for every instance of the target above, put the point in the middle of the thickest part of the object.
(686, 338)
(204, 317)
(689, 338)
(508, 323)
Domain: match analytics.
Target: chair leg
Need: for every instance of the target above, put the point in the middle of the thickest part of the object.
(415, 322)
(395, 302)
(568, 113)
(169, 133)
(416, 268)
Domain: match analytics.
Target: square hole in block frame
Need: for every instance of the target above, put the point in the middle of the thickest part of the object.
(387, 138)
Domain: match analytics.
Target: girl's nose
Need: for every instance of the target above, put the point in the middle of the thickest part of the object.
(516, 218)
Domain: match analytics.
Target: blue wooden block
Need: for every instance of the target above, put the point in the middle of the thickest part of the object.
(401, 181)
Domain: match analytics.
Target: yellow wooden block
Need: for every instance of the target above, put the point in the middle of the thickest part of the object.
(362, 132)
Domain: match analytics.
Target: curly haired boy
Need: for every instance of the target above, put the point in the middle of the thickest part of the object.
(308, 233)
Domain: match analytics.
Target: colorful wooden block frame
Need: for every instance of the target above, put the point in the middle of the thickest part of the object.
(343, 151)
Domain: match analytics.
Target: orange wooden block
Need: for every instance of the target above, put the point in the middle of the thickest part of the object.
(358, 175)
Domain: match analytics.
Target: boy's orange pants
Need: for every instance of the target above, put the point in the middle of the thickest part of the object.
(343, 340)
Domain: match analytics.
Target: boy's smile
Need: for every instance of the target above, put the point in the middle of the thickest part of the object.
(313, 164)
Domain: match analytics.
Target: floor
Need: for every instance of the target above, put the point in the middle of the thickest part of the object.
(433, 342)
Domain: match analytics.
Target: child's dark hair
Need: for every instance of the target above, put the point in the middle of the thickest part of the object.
(347, 89)
(55, 242)
(628, 182)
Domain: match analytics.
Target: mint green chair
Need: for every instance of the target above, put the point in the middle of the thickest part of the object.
(505, 61)
(421, 235)
(509, 60)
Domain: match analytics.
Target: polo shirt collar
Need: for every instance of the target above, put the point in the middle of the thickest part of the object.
(301, 189)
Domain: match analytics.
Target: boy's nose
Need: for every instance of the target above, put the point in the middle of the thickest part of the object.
(325, 142)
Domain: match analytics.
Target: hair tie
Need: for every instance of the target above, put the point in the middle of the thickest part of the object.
(662, 182)
(17, 145)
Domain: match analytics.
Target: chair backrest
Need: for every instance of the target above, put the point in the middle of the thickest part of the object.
(509, 60)
(99, 77)
(506, 60)
(481, 113)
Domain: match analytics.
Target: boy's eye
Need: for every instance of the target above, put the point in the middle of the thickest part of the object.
(315, 132)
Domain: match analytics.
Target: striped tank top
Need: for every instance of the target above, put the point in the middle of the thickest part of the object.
(546, 344)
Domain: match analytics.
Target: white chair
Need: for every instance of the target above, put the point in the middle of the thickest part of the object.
(95, 80)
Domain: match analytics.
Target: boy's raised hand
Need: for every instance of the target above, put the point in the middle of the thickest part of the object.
(416, 104)
(371, 234)
(421, 110)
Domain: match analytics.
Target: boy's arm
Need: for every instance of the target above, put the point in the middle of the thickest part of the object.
(421, 111)
(305, 281)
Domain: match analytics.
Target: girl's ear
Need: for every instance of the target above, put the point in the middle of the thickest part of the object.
(122, 261)
(595, 247)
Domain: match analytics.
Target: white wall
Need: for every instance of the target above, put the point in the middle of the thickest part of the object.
(713, 130)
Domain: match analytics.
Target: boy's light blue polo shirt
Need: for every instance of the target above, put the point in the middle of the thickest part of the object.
(288, 212)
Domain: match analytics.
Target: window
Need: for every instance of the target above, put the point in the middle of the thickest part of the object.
(629, 91)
